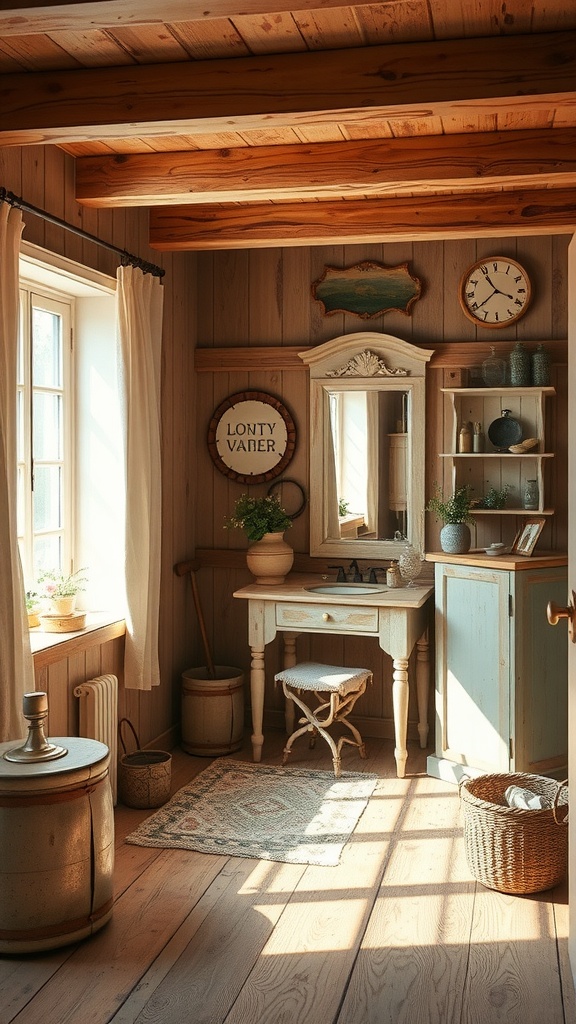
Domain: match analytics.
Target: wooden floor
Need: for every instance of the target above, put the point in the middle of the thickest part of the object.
(398, 932)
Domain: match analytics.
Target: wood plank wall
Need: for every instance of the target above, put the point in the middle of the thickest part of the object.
(254, 298)
(263, 297)
(44, 176)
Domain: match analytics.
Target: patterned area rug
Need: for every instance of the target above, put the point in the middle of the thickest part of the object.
(239, 809)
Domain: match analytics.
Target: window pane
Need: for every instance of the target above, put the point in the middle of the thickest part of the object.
(47, 553)
(47, 497)
(47, 419)
(20, 437)
(21, 498)
(46, 349)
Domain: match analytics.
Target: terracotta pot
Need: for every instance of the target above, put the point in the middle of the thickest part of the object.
(270, 559)
(455, 538)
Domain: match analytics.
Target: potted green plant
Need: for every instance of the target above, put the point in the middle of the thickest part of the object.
(264, 521)
(60, 590)
(455, 512)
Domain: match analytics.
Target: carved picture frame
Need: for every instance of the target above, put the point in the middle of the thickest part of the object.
(367, 289)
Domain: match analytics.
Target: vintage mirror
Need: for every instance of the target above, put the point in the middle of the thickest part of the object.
(367, 443)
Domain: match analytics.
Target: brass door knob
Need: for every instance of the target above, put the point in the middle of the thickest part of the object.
(554, 613)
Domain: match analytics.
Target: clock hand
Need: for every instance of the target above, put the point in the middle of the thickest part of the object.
(498, 290)
(489, 297)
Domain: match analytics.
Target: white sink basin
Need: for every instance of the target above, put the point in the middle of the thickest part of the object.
(345, 588)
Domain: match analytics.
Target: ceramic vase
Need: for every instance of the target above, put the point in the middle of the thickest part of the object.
(455, 538)
(270, 559)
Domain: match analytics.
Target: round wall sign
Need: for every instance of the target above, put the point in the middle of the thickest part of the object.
(251, 437)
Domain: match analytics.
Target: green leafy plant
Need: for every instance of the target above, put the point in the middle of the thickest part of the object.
(343, 507)
(32, 600)
(454, 509)
(258, 516)
(54, 584)
(496, 497)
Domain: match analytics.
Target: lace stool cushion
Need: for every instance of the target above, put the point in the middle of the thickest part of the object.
(343, 686)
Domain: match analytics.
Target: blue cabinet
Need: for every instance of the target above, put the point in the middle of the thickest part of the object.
(501, 700)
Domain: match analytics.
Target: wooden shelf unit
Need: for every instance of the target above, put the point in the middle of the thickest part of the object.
(493, 468)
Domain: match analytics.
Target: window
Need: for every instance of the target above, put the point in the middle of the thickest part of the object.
(69, 432)
(45, 454)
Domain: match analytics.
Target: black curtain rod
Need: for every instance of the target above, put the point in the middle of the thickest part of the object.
(127, 259)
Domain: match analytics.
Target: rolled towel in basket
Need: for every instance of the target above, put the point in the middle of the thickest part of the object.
(525, 799)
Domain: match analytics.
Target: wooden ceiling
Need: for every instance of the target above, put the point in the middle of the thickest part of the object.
(245, 123)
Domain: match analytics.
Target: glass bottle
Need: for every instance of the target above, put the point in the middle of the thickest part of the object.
(541, 367)
(410, 564)
(465, 438)
(393, 577)
(478, 439)
(520, 368)
(531, 495)
(494, 370)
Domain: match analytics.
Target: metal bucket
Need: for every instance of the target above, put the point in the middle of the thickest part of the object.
(212, 710)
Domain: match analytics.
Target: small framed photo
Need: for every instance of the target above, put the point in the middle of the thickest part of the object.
(525, 539)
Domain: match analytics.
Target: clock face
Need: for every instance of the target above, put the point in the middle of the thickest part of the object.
(495, 292)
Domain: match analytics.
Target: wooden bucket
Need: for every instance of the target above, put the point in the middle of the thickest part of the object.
(212, 710)
(145, 776)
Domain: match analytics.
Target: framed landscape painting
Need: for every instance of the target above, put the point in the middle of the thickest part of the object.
(367, 289)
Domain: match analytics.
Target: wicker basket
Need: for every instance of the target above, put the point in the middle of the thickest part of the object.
(144, 777)
(510, 849)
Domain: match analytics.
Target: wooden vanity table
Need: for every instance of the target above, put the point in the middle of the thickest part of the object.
(398, 618)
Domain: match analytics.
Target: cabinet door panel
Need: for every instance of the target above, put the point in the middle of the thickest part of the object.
(475, 686)
(541, 674)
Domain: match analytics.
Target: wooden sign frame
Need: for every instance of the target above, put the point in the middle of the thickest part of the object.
(251, 437)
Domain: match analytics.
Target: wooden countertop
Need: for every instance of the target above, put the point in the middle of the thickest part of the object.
(296, 588)
(544, 560)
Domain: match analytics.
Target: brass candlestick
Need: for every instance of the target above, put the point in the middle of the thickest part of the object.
(36, 747)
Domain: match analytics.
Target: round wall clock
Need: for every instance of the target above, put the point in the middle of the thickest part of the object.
(495, 292)
(251, 437)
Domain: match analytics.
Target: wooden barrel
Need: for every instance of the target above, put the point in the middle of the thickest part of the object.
(212, 710)
(56, 847)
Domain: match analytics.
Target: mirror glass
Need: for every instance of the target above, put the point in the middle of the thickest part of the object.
(367, 397)
(365, 465)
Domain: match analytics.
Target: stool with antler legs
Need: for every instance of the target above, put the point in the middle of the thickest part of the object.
(336, 689)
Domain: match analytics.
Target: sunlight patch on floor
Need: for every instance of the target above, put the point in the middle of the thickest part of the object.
(329, 928)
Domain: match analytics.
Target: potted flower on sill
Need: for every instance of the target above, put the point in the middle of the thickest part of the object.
(61, 591)
(455, 513)
(264, 521)
(33, 608)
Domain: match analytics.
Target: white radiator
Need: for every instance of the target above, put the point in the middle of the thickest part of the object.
(99, 717)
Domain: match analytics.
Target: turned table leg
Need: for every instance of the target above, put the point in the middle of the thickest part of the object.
(289, 662)
(423, 686)
(257, 677)
(400, 705)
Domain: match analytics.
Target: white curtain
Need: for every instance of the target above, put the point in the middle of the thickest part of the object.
(16, 666)
(139, 308)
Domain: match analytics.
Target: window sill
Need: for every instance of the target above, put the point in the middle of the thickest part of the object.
(47, 648)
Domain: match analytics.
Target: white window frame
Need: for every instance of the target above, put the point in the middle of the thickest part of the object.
(97, 465)
(31, 296)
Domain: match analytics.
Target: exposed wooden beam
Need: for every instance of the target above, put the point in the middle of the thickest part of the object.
(70, 16)
(258, 225)
(328, 170)
(497, 75)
